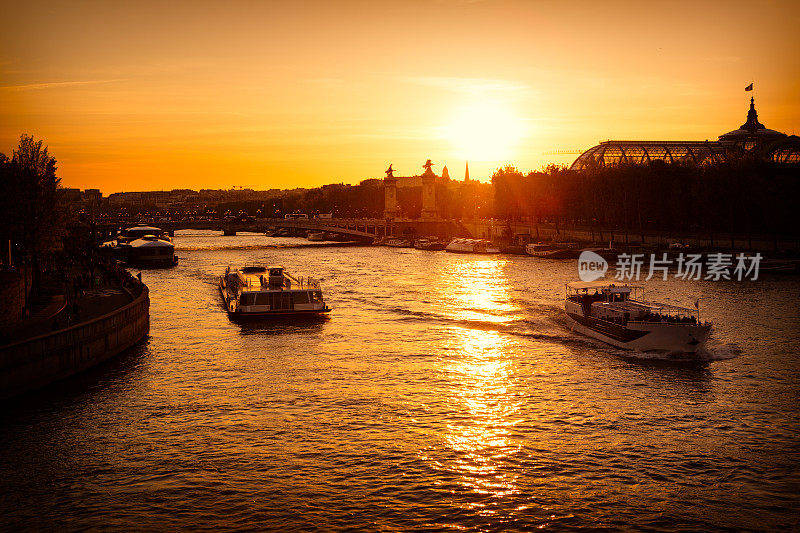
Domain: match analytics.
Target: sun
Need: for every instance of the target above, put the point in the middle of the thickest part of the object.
(485, 130)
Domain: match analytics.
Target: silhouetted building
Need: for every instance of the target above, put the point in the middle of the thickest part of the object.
(750, 137)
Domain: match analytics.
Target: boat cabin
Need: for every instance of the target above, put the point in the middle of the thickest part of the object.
(151, 251)
(622, 303)
(270, 290)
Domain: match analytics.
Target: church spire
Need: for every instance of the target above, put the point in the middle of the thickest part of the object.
(466, 172)
(752, 123)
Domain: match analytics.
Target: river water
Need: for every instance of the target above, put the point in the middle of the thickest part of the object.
(444, 392)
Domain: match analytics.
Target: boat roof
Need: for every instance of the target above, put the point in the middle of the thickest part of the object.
(599, 284)
(149, 241)
(143, 228)
(468, 241)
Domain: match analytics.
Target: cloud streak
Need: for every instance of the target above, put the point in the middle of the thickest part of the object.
(54, 85)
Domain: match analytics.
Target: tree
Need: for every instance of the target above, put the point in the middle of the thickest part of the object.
(28, 208)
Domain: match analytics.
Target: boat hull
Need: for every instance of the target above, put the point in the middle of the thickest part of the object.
(485, 252)
(666, 337)
(280, 314)
(557, 254)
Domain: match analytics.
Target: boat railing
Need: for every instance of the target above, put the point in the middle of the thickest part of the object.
(660, 313)
(252, 282)
(667, 308)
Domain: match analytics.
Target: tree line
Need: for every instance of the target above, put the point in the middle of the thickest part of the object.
(742, 194)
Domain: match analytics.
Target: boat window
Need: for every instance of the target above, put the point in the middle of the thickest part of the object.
(301, 297)
(316, 296)
(262, 298)
(247, 299)
(276, 272)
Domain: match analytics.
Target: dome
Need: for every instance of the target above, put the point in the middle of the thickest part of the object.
(752, 129)
(637, 152)
(750, 137)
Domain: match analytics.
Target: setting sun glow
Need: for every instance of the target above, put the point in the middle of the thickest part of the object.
(485, 130)
(132, 96)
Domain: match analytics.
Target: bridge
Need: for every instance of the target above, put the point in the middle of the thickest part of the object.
(358, 229)
(372, 227)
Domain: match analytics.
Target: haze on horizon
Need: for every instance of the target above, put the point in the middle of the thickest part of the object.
(148, 95)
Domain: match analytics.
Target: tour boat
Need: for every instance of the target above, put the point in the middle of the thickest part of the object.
(396, 242)
(618, 315)
(137, 232)
(553, 250)
(430, 244)
(150, 250)
(256, 291)
(472, 246)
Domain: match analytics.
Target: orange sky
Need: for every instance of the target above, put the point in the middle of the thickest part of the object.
(160, 95)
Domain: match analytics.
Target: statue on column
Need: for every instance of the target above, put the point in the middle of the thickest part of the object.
(427, 166)
(389, 172)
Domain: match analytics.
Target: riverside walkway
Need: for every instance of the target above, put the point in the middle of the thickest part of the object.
(82, 295)
(96, 317)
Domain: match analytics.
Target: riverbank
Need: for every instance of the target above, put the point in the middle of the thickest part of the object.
(98, 314)
(496, 230)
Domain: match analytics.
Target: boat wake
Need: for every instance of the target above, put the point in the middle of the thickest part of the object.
(551, 326)
(722, 352)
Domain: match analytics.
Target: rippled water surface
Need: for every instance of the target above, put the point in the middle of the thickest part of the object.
(444, 392)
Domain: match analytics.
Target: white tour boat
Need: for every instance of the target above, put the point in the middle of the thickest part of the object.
(256, 291)
(396, 242)
(137, 232)
(617, 314)
(150, 250)
(472, 246)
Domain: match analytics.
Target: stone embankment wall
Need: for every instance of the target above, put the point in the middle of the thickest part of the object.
(39, 361)
(12, 294)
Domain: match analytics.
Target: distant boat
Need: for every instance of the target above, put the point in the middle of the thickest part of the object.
(553, 250)
(151, 251)
(137, 232)
(395, 242)
(256, 291)
(618, 315)
(472, 246)
(430, 244)
(316, 236)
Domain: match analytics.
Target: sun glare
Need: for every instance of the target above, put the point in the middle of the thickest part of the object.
(485, 130)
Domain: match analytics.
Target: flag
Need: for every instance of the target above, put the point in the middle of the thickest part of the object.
(749, 87)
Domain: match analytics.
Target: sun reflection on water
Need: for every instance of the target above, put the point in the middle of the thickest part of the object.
(483, 406)
(487, 409)
(478, 290)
